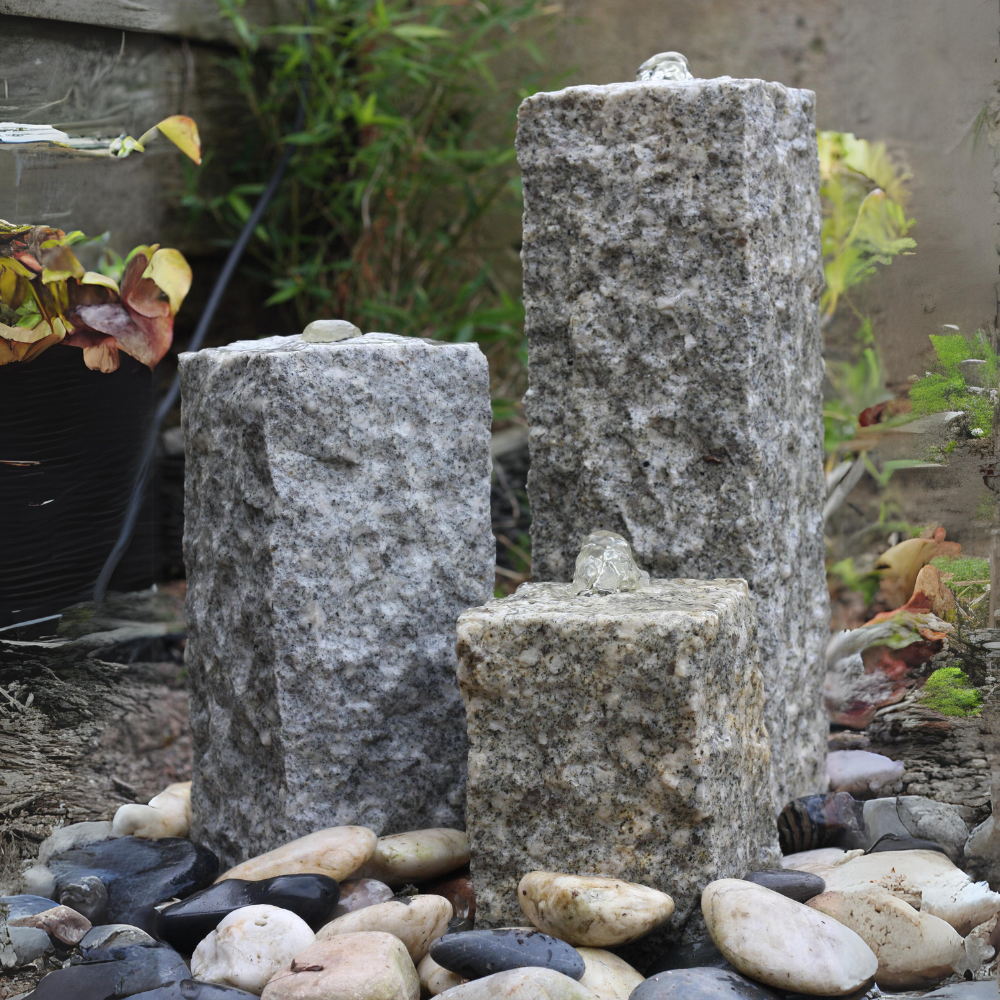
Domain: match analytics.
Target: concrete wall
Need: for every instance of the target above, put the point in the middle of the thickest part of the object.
(915, 73)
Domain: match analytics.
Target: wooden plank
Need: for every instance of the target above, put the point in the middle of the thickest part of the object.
(195, 19)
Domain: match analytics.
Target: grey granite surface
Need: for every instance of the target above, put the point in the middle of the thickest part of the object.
(337, 523)
(671, 279)
(615, 734)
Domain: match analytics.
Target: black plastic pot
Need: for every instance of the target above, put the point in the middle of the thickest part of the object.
(69, 447)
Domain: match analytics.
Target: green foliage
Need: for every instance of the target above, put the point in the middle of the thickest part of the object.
(404, 168)
(950, 692)
(866, 584)
(945, 388)
(858, 385)
(963, 567)
(864, 217)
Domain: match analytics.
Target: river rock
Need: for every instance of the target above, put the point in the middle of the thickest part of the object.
(434, 978)
(65, 838)
(926, 880)
(137, 873)
(982, 990)
(893, 842)
(864, 774)
(982, 944)
(474, 954)
(87, 895)
(59, 922)
(131, 970)
(701, 984)
(937, 821)
(820, 860)
(782, 943)
(115, 936)
(817, 821)
(365, 966)
(26, 943)
(460, 892)
(338, 851)
(607, 976)
(796, 885)
(593, 911)
(417, 856)
(167, 815)
(191, 989)
(249, 946)
(881, 817)
(521, 984)
(689, 955)
(415, 920)
(359, 893)
(184, 924)
(914, 949)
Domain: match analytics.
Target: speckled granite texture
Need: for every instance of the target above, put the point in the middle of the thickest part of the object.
(337, 523)
(671, 279)
(615, 734)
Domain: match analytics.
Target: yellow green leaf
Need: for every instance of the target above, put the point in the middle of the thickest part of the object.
(183, 133)
(172, 274)
(8, 285)
(60, 263)
(32, 336)
(9, 264)
(93, 278)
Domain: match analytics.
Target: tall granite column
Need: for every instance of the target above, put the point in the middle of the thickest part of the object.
(672, 271)
(337, 521)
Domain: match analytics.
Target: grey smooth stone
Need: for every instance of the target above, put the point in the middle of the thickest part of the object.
(701, 984)
(27, 943)
(697, 955)
(39, 881)
(74, 835)
(475, 954)
(86, 895)
(890, 842)
(137, 970)
(799, 886)
(880, 818)
(983, 989)
(115, 936)
(191, 989)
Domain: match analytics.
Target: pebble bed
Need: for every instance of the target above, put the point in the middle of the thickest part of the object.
(134, 908)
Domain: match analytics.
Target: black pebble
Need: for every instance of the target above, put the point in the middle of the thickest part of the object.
(136, 970)
(191, 989)
(893, 842)
(799, 886)
(474, 954)
(185, 924)
(701, 984)
(137, 874)
(86, 895)
(698, 955)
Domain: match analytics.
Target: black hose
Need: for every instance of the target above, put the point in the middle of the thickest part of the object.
(208, 314)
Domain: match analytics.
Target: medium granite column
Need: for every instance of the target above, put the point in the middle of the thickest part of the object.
(672, 271)
(337, 522)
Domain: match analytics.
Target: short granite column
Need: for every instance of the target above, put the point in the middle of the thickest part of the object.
(337, 521)
(671, 278)
(615, 734)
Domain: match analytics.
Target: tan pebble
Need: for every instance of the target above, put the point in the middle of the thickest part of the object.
(338, 852)
(782, 943)
(927, 880)
(416, 923)
(590, 910)
(167, 815)
(434, 978)
(60, 922)
(607, 976)
(416, 856)
(914, 949)
(521, 984)
(367, 966)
